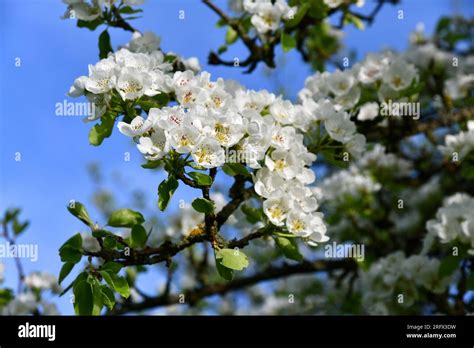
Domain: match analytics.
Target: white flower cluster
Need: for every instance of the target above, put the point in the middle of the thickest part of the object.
(459, 70)
(461, 143)
(211, 119)
(134, 71)
(352, 182)
(88, 11)
(378, 160)
(455, 220)
(330, 96)
(397, 274)
(267, 14)
(31, 301)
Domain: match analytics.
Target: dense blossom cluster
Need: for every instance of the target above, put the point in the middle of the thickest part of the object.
(211, 121)
(334, 97)
(397, 275)
(461, 144)
(458, 69)
(88, 11)
(455, 221)
(267, 15)
(31, 301)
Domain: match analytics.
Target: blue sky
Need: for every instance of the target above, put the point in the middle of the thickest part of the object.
(55, 151)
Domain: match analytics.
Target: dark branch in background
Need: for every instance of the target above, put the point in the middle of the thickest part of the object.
(192, 296)
(266, 52)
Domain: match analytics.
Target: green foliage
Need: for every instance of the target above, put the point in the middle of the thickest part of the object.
(165, 191)
(118, 283)
(200, 178)
(253, 215)
(83, 298)
(233, 259)
(102, 130)
(104, 44)
(202, 205)
(71, 250)
(139, 236)
(65, 270)
(125, 218)
(234, 169)
(79, 211)
(448, 265)
(288, 42)
(289, 248)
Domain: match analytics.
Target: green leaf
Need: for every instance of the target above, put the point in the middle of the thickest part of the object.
(97, 296)
(116, 282)
(200, 178)
(232, 258)
(18, 227)
(350, 18)
(288, 42)
(69, 254)
(65, 270)
(83, 298)
(102, 233)
(231, 36)
(91, 25)
(104, 44)
(252, 214)
(151, 164)
(298, 16)
(74, 242)
(125, 218)
(223, 271)
(102, 130)
(289, 248)
(108, 297)
(234, 169)
(139, 236)
(448, 266)
(112, 266)
(6, 295)
(79, 211)
(202, 205)
(470, 281)
(110, 242)
(129, 10)
(166, 191)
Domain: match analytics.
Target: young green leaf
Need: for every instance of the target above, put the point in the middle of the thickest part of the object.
(65, 270)
(79, 210)
(112, 266)
(104, 44)
(116, 282)
(202, 205)
(83, 298)
(200, 178)
(448, 265)
(108, 297)
(232, 258)
(102, 130)
(252, 214)
(166, 191)
(231, 36)
(125, 218)
(139, 236)
(234, 169)
(288, 42)
(224, 272)
(289, 248)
